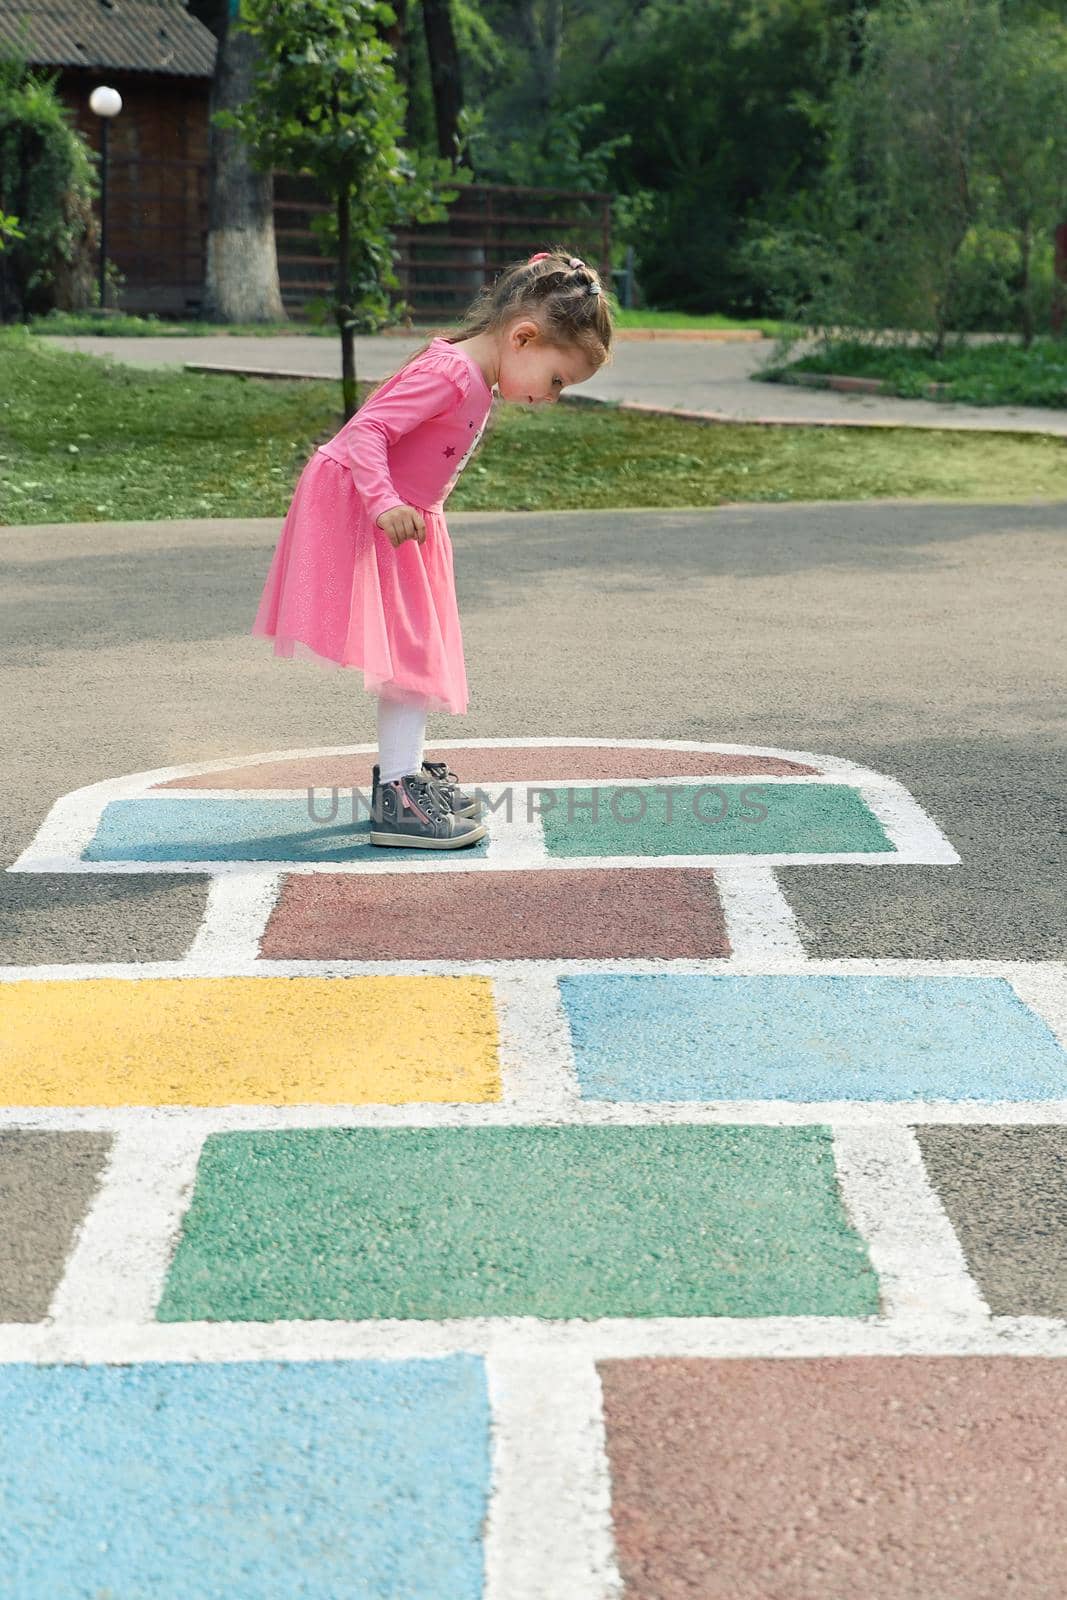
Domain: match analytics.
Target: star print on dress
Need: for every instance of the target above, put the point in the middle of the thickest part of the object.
(471, 448)
(450, 449)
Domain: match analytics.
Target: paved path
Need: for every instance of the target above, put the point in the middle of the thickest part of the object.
(691, 375)
(641, 1204)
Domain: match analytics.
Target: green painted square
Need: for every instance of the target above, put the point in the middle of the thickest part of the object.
(556, 1222)
(709, 819)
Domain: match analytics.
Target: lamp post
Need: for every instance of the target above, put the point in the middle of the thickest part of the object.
(107, 103)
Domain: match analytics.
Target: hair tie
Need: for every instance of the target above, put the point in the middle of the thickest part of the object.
(572, 261)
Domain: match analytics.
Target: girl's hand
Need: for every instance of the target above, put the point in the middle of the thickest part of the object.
(400, 523)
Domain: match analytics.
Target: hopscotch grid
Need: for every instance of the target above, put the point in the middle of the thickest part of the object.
(102, 1311)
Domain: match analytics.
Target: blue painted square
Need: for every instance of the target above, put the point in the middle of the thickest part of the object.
(257, 1480)
(257, 829)
(794, 1037)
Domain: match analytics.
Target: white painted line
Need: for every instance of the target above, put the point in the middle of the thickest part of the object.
(533, 1106)
(611, 1338)
(1042, 987)
(516, 840)
(235, 918)
(913, 1247)
(116, 1270)
(537, 1068)
(760, 923)
(461, 861)
(914, 834)
(549, 1527)
(1047, 974)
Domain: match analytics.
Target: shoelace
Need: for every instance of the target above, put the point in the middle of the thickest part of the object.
(442, 775)
(428, 794)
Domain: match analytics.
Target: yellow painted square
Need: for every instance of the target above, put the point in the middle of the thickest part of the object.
(272, 1041)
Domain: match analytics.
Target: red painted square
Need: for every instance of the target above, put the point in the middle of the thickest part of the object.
(495, 764)
(899, 1478)
(551, 913)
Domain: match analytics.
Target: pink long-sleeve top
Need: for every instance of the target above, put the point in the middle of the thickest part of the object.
(409, 442)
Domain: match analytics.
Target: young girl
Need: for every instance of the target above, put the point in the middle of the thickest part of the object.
(363, 576)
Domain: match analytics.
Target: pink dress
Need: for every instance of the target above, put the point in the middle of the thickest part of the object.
(338, 592)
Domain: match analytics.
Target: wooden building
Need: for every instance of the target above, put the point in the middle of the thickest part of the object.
(161, 60)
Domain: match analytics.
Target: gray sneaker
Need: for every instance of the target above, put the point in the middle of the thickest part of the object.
(412, 811)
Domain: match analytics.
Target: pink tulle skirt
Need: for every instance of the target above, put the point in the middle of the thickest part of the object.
(339, 594)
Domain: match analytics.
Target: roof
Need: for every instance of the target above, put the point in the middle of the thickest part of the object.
(138, 35)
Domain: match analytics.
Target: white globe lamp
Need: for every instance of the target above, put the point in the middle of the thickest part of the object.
(106, 103)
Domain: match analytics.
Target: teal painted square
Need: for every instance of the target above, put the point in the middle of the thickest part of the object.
(241, 830)
(709, 819)
(542, 1221)
(257, 1480)
(705, 1036)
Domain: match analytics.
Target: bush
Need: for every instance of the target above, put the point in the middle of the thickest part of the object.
(47, 182)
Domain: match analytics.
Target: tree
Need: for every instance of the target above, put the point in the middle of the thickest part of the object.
(953, 127)
(1023, 122)
(716, 96)
(324, 100)
(241, 268)
(445, 75)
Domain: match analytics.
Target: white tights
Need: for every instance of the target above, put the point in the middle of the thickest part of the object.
(401, 731)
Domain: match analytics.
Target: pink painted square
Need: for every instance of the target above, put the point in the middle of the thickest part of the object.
(896, 1478)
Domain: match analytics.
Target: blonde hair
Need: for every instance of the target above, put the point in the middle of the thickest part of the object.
(551, 293)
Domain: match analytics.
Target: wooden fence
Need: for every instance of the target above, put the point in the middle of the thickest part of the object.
(157, 229)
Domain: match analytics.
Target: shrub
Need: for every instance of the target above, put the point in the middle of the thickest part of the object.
(47, 182)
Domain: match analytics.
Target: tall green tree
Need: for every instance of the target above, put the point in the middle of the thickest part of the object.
(956, 125)
(1022, 96)
(718, 98)
(950, 140)
(324, 100)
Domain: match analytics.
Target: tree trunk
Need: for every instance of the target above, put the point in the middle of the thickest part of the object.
(344, 310)
(445, 76)
(542, 32)
(241, 273)
(1026, 307)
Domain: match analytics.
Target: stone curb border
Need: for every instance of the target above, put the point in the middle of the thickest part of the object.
(831, 380)
(944, 426)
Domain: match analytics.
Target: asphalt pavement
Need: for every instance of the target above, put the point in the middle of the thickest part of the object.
(640, 1204)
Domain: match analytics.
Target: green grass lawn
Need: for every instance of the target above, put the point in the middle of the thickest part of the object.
(996, 374)
(89, 440)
